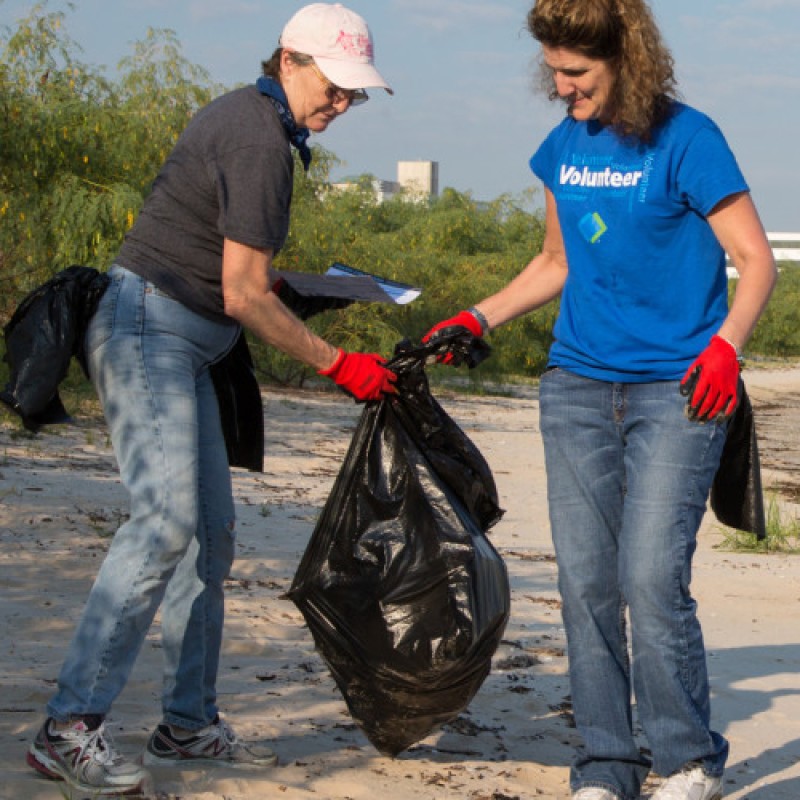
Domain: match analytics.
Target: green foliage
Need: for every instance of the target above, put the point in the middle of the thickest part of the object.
(452, 247)
(778, 330)
(79, 150)
(782, 534)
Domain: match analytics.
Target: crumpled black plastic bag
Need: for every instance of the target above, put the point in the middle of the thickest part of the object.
(45, 332)
(737, 496)
(404, 594)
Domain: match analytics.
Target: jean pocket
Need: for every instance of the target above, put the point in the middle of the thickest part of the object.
(154, 291)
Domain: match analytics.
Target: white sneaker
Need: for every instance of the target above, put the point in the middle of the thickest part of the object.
(691, 783)
(84, 758)
(594, 793)
(216, 744)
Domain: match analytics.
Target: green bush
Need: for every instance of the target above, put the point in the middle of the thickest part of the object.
(778, 331)
(79, 150)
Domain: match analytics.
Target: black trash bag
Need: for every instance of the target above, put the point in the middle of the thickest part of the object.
(404, 594)
(45, 332)
(737, 496)
(458, 345)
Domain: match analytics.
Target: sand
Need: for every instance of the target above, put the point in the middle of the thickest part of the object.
(60, 501)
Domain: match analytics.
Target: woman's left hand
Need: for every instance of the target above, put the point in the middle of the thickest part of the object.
(711, 383)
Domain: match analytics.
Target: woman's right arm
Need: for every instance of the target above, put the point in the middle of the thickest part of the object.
(246, 284)
(539, 283)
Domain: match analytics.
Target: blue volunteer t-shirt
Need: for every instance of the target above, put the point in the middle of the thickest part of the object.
(646, 287)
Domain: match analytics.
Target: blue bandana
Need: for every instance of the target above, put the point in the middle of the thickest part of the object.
(297, 136)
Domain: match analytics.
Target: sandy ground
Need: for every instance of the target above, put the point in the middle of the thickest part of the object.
(60, 500)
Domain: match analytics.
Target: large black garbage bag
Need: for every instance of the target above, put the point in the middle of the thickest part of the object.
(405, 596)
(45, 332)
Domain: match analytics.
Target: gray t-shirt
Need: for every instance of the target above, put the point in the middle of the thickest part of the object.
(228, 176)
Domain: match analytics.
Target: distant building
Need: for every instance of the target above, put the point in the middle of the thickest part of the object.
(785, 248)
(419, 178)
(383, 190)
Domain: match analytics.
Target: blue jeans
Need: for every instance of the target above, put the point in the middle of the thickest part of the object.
(148, 358)
(628, 477)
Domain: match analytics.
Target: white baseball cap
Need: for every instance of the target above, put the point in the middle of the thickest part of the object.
(339, 42)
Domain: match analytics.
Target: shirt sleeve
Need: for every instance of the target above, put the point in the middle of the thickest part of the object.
(543, 161)
(254, 191)
(708, 171)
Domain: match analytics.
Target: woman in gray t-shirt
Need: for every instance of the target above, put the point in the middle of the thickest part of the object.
(193, 271)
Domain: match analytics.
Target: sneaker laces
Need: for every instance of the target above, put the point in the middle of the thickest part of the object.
(226, 733)
(94, 746)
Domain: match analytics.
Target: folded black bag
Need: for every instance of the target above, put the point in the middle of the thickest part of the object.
(42, 336)
(405, 596)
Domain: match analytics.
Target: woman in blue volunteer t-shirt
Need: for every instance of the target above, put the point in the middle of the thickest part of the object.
(643, 198)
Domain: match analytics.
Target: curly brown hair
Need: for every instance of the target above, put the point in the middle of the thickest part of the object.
(625, 35)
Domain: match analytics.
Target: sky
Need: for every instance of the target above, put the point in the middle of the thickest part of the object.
(463, 72)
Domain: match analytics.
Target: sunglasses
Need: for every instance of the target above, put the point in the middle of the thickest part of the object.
(335, 94)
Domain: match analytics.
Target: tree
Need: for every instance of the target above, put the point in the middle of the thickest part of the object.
(79, 150)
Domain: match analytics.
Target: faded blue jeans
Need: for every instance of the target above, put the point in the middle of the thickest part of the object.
(148, 358)
(628, 477)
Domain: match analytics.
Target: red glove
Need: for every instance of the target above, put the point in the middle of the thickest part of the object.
(711, 382)
(463, 322)
(361, 375)
(464, 319)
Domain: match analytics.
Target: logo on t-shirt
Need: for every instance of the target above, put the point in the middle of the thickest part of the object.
(592, 227)
(608, 178)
